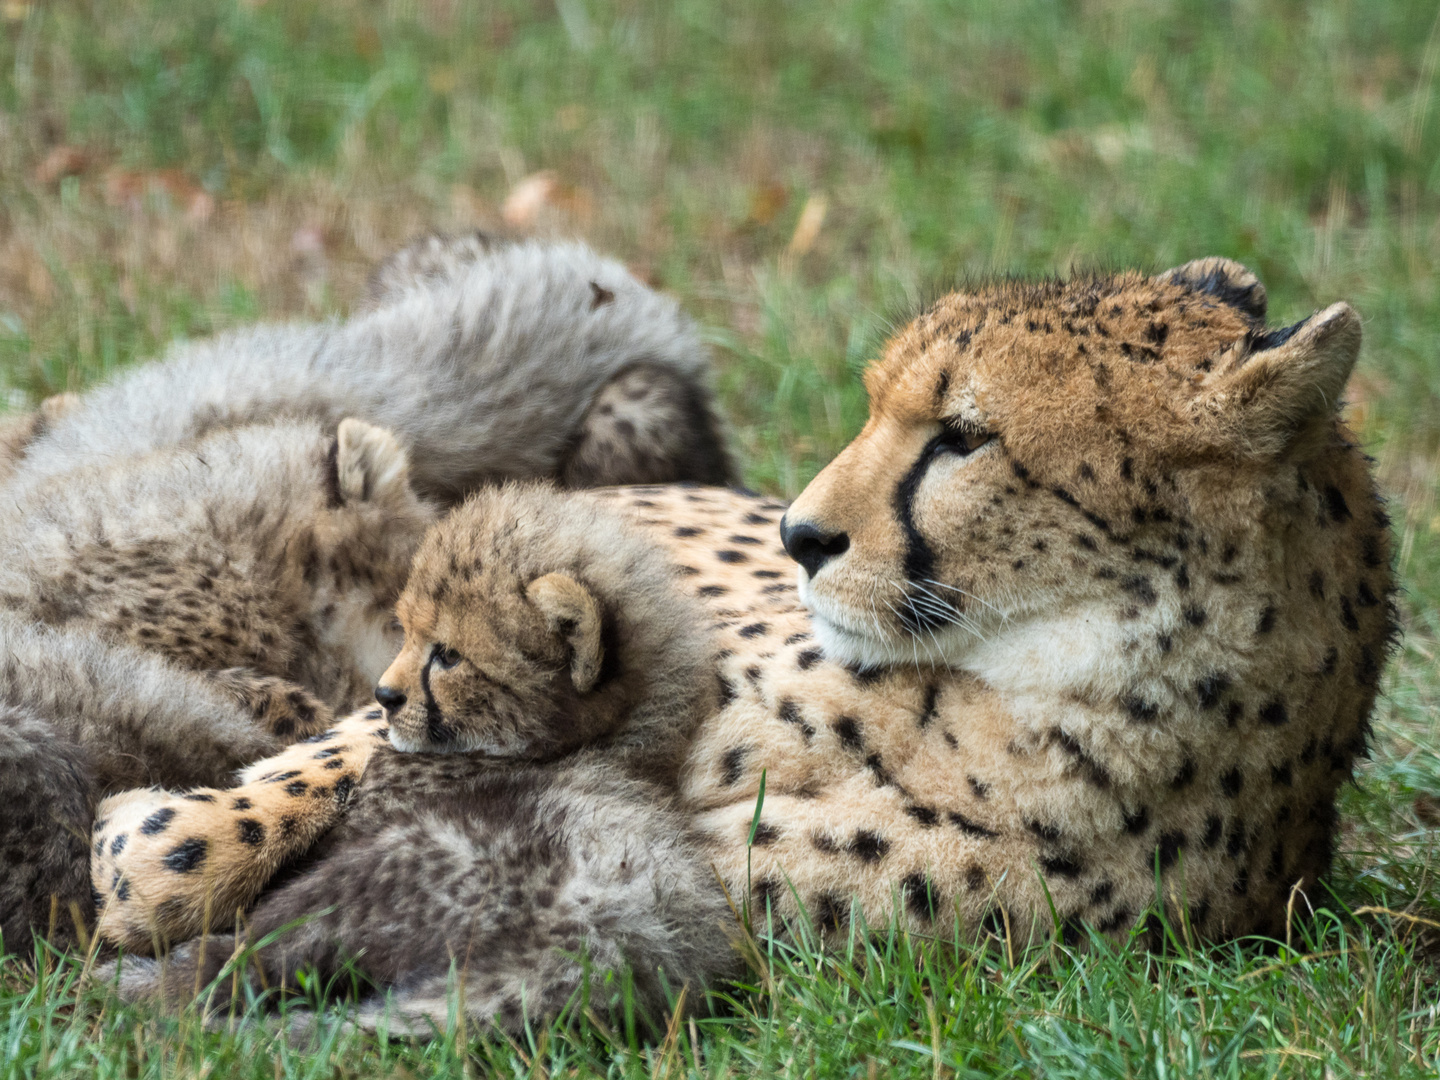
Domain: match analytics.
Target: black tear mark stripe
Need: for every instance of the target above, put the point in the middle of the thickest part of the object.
(436, 729)
(919, 563)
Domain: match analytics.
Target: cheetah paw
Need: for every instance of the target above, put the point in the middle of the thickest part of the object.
(166, 866)
(286, 710)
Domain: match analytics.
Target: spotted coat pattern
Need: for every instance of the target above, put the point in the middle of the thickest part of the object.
(1240, 612)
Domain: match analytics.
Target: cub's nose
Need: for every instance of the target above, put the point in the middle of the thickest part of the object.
(810, 547)
(389, 698)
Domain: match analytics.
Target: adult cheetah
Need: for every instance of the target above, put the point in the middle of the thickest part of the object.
(1091, 614)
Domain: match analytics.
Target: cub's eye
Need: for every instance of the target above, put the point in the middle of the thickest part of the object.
(961, 440)
(445, 656)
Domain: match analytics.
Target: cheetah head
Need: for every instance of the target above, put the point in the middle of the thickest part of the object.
(536, 623)
(356, 557)
(1027, 442)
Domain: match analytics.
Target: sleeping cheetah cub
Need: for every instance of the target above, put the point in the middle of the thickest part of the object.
(520, 825)
(172, 618)
(489, 361)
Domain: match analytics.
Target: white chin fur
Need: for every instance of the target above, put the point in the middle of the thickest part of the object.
(945, 647)
(410, 743)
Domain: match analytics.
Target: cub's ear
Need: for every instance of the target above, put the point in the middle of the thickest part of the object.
(370, 464)
(571, 610)
(1268, 389)
(1224, 279)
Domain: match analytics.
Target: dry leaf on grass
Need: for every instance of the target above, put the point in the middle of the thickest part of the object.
(766, 201)
(544, 191)
(60, 162)
(807, 229)
(126, 188)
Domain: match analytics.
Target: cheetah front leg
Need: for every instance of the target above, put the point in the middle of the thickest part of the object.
(166, 866)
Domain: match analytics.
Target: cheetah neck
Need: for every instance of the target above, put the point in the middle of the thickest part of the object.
(1086, 651)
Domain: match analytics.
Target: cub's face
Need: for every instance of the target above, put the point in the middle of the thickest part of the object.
(494, 662)
(356, 558)
(1027, 444)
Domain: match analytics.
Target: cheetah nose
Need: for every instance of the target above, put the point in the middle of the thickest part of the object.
(389, 698)
(810, 547)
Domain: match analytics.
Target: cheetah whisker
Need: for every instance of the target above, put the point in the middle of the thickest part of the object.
(1004, 616)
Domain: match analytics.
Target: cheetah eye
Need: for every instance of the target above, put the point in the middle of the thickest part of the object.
(445, 656)
(960, 439)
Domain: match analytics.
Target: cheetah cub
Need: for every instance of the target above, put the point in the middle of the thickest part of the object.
(172, 618)
(488, 361)
(521, 824)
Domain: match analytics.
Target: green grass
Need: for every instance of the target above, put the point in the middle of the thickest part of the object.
(949, 140)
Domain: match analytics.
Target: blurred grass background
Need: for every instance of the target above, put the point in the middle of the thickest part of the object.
(803, 177)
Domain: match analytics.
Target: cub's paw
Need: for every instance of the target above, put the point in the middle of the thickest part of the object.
(286, 710)
(648, 425)
(168, 866)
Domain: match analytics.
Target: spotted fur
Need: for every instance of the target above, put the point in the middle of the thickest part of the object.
(1098, 605)
(488, 360)
(521, 823)
(172, 618)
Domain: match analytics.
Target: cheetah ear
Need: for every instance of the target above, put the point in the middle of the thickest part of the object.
(1271, 388)
(572, 611)
(1224, 279)
(370, 464)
